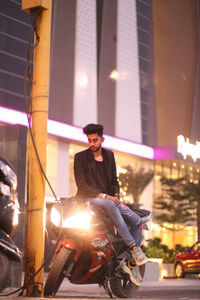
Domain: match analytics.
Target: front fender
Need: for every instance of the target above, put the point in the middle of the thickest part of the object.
(70, 244)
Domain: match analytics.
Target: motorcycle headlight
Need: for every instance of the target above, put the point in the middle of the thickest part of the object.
(9, 174)
(80, 220)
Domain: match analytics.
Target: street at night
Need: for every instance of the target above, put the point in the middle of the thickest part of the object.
(175, 289)
(185, 289)
(100, 149)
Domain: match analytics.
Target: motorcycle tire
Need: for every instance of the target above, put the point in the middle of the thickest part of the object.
(123, 287)
(4, 271)
(56, 273)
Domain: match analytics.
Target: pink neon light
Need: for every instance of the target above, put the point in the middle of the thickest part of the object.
(75, 133)
(12, 116)
(66, 131)
(128, 147)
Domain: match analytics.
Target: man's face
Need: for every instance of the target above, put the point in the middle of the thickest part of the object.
(95, 141)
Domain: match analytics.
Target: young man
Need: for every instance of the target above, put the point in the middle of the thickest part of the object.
(96, 180)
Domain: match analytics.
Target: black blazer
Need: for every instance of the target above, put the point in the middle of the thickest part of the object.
(85, 174)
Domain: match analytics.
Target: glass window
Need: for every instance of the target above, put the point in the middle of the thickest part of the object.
(143, 8)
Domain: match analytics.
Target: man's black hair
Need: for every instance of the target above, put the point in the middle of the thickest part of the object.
(93, 128)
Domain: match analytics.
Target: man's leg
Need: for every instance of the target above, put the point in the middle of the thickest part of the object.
(111, 208)
(130, 217)
(134, 221)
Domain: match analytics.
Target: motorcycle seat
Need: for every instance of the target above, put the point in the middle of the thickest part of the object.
(104, 219)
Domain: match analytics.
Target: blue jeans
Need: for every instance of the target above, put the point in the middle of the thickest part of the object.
(119, 214)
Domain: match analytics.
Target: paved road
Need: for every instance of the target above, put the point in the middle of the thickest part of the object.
(183, 289)
(173, 289)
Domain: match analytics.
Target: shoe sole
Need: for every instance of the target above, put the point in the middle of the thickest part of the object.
(132, 279)
(139, 264)
(135, 282)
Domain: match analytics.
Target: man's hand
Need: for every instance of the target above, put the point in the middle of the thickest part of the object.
(114, 199)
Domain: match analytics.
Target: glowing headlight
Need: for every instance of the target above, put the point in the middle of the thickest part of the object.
(55, 216)
(79, 220)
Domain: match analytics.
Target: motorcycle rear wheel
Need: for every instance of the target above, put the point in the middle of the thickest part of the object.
(123, 287)
(4, 271)
(56, 273)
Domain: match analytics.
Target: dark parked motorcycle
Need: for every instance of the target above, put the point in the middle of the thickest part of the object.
(90, 250)
(9, 209)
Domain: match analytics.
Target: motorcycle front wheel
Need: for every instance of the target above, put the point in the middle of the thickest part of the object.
(57, 271)
(4, 271)
(123, 287)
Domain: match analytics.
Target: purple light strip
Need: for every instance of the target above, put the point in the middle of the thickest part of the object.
(75, 133)
(12, 116)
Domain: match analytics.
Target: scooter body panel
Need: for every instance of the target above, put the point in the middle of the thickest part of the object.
(9, 248)
(9, 210)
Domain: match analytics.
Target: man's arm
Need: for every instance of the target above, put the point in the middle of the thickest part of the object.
(115, 183)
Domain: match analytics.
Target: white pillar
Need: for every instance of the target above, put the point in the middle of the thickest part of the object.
(85, 82)
(128, 111)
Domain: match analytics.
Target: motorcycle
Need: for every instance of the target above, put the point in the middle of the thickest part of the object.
(9, 210)
(90, 250)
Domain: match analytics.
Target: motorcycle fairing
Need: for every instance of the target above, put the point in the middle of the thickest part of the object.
(99, 276)
(82, 265)
(101, 252)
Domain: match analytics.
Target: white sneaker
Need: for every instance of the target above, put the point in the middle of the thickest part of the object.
(134, 273)
(139, 257)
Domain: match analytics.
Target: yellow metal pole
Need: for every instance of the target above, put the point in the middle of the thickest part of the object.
(35, 221)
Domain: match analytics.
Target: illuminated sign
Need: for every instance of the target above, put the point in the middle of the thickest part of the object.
(185, 148)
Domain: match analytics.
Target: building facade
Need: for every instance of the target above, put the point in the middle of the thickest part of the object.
(132, 66)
